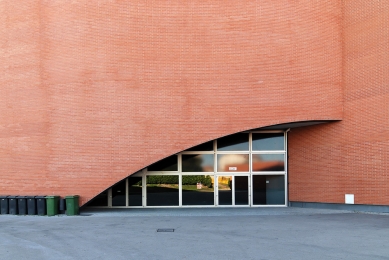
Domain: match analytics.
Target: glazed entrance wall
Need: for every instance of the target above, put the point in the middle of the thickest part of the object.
(244, 169)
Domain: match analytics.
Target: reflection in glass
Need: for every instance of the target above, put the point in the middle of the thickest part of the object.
(268, 190)
(197, 162)
(100, 200)
(224, 184)
(208, 146)
(232, 162)
(241, 190)
(135, 191)
(197, 190)
(162, 190)
(119, 194)
(268, 162)
(268, 142)
(236, 142)
(167, 164)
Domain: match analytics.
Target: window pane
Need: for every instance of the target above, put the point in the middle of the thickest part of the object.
(236, 142)
(241, 190)
(268, 142)
(100, 200)
(224, 184)
(268, 190)
(232, 162)
(197, 190)
(268, 162)
(208, 146)
(119, 194)
(197, 162)
(167, 164)
(135, 191)
(162, 190)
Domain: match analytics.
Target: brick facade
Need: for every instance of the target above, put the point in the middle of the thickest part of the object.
(92, 92)
(352, 156)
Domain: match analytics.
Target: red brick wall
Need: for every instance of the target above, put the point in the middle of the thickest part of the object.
(94, 91)
(351, 156)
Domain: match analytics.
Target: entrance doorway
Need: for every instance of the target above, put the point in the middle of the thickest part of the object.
(233, 190)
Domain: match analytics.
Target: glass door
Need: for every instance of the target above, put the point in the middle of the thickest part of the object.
(233, 190)
(241, 190)
(224, 190)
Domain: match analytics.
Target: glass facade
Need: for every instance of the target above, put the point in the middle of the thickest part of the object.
(268, 162)
(224, 188)
(119, 194)
(268, 189)
(167, 164)
(197, 190)
(208, 146)
(100, 200)
(241, 184)
(233, 162)
(135, 191)
(162, 190)
(236, 142)
(244, 169)
(241, 188)
(197, 162)
(268, 142)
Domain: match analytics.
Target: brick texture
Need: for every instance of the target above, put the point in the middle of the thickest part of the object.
(352, 156)
(93, 91)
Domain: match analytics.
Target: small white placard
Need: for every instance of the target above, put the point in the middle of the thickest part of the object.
(232, 168)
(349, 198)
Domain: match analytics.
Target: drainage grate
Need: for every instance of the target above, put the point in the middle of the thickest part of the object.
(165, 230)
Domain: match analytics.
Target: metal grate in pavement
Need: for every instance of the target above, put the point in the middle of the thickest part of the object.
(165, 230)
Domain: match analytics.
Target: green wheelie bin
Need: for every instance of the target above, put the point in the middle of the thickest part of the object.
(52, 205)
(72, 207)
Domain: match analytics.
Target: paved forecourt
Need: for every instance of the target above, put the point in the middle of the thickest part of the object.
(210, 233)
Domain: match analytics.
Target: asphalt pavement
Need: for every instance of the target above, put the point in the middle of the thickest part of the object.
(194, 233)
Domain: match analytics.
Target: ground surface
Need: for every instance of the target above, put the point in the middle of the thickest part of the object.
(214, 233)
